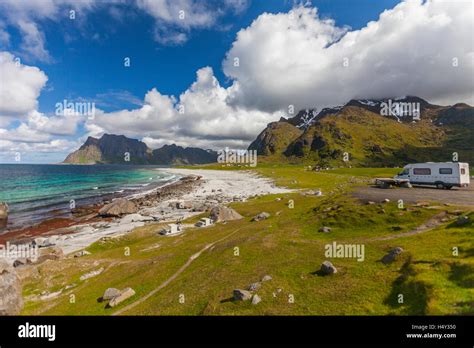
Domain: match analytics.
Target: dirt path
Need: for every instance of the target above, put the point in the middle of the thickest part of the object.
(173, 277)
(432, 223)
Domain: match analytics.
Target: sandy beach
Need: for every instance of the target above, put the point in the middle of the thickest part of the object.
(173, 202)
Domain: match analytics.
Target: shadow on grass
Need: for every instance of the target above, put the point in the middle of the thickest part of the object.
(230, 299)
(469, 253)
(415, 293)
(462, 275)
(320, 274)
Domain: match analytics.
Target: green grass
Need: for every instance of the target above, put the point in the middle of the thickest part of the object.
(288, 247)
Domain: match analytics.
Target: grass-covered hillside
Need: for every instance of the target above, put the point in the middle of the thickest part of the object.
(195, 273)
(357, 134)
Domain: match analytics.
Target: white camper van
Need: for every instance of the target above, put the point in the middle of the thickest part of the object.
(442, 175)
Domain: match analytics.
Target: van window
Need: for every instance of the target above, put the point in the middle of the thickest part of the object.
(446, 170)
(404, 172)
(463, 171)
(422, 171)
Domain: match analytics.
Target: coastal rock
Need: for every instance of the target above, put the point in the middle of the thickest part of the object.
(261, 216)
(110, 293)
(3, 214)
(42, 242)
(136, 218)
(21, 262)
(392, 255)
(11, 300)
(184, 205)
(118, 207)
(266, 278)
(242, 295)
(124, 295)
(256, 299)
(325, 229)
(254, 286)
(327, 268)
(222, 213)
(50, 253)
(462, 220)
(82, 253)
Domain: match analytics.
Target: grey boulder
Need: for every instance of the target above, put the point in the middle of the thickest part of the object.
(118, 207)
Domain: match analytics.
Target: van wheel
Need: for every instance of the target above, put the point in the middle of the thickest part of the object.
(439, 185)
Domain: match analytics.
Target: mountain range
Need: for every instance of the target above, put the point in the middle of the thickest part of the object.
(359, 133)
(118, 149)
(362, 132)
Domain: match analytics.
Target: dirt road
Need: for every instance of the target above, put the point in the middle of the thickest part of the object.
(173, 277)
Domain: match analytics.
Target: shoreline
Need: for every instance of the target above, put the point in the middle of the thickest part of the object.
(197, 190)
(87, 213)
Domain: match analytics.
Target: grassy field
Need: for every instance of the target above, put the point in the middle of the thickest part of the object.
(289, 248)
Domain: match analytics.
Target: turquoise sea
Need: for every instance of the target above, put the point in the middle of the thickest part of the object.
(36, 191)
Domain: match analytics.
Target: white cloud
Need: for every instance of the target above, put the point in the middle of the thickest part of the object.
(23, 133)
(298, 59)
(33, 41)
(175, 18)
(200, 117)
(55, 145)
(54, 125)
(25, 16)
(19, 88)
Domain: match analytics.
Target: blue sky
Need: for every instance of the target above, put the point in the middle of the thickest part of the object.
(88, 67)
(83, 60)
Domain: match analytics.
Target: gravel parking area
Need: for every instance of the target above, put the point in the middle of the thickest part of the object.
(455, 196)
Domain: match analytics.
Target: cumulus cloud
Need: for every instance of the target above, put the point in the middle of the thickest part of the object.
(55, 145)
(19, 88)
(297, 58)
(200, 116)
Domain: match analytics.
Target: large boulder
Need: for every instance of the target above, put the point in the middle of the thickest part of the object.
(242, 295)
(254, 286)
(262, 216)
(392, 255)
(3, 214)
(462, 220)
(328, 268)
(11, 300)
(118, 207)
(111, 293)
(222, 213)
(124, 295)
(256, 299)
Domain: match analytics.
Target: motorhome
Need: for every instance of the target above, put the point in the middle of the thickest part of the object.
(171, 229)
(204, 222)
(442, 175)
